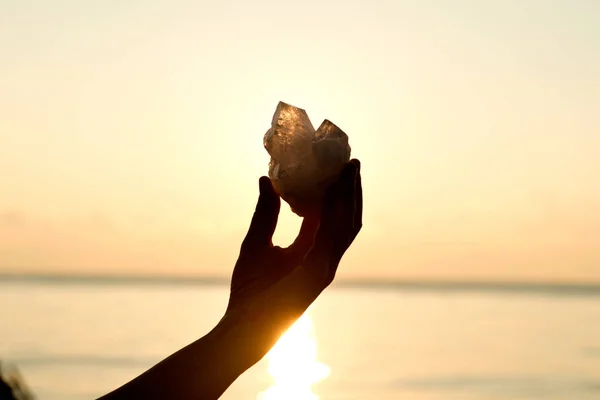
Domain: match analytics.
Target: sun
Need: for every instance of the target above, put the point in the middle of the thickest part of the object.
(293, 364)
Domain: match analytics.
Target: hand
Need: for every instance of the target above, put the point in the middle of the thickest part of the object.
(272, 286)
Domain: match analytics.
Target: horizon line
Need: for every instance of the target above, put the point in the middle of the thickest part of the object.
(358, 283)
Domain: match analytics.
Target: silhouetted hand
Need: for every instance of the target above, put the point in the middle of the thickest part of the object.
(272, 286)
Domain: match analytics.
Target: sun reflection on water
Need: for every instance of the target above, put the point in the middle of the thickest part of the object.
(293, 364)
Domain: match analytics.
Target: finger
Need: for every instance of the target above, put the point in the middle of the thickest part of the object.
(264, 220)
(330, 228)
(358, 196)
(326, 228)
(347, 202)
(346, 215)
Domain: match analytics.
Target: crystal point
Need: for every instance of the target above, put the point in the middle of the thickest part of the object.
(303, 161)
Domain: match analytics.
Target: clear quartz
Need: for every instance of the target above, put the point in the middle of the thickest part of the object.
(303, 161)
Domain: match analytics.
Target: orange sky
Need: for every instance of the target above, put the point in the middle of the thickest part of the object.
(131, 132)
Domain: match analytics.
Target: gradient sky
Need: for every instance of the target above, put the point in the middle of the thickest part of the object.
(131, 131)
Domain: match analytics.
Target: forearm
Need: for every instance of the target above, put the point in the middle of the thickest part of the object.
(203, 370)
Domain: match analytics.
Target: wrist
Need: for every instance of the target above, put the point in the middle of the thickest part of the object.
(250, 333)
(237, 339)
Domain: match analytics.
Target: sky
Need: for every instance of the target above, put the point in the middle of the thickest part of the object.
(131, 132)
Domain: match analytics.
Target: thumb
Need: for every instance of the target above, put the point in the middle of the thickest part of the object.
(265, 216)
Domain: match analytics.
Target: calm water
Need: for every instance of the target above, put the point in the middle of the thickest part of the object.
(78, 341)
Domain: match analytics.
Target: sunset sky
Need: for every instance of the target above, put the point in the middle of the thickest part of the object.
(131, 132)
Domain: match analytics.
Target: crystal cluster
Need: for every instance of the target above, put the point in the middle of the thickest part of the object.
(304, 162)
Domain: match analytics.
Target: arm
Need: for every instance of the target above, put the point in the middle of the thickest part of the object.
(271, 287)
(202, 370)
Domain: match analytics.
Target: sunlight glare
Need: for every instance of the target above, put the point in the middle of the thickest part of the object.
(293, 365)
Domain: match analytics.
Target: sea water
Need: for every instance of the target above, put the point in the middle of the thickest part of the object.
(80, 339)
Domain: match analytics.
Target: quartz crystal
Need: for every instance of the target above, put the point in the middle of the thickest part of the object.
(304, 162)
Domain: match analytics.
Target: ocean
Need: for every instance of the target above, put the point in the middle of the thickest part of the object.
(73, 339)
